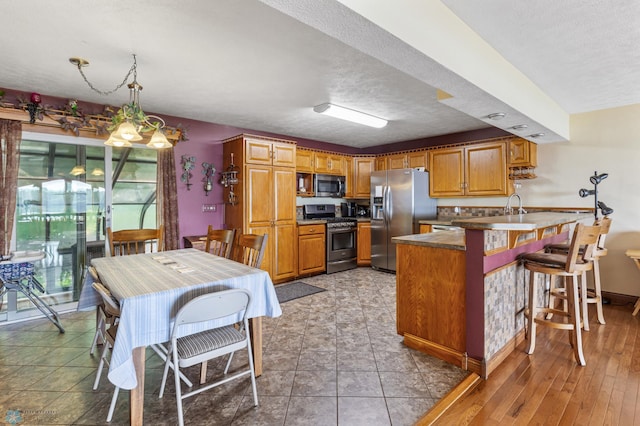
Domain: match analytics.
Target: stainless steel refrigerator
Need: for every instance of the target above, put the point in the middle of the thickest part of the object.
(399, 199)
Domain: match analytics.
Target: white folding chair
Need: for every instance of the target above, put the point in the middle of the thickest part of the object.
(196, 347)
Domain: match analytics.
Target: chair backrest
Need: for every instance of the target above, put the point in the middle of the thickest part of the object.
(605, 225)
(220, 241)
(250, 249)
(212, 306)
(582, 246)
(111, 307)
(135, 241)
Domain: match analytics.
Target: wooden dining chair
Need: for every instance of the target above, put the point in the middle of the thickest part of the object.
(112, 308)
(135, 241)
(250, 249)
(220, 241)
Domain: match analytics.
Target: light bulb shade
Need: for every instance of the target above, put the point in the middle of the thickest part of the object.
(586, 192)
(127, 131)
(97, 172)
(77, 171)
(350, 115)
(596, 179)
(117, 142)
(606, 210)
(159, 141)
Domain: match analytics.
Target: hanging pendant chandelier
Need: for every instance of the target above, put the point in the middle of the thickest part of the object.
(130, 120)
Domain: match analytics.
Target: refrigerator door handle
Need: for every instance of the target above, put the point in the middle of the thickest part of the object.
(385, 190)
(389, 205)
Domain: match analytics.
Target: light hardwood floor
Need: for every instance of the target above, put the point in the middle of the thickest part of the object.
(550, 388)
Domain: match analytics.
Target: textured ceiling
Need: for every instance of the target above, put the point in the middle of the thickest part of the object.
(263, 65)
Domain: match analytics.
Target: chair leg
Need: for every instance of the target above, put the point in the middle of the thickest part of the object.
(636, 307)
(253, 372)
(178, 389)
(598, 290)
(574, 316)
(161, 351)
(584, 303)
(100, 330)
(112, 407)
(101, 365)
(226, 369)
(531, 324)
(203, 372)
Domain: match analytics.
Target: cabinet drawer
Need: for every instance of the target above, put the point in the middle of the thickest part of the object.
(311, 229)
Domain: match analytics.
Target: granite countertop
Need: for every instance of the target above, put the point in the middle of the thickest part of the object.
(520, 222)
(452, 240)
(440, 220)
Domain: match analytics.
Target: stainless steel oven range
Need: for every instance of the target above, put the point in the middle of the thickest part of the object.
(341, 237)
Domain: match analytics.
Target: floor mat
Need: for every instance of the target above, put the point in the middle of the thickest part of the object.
(295, 290)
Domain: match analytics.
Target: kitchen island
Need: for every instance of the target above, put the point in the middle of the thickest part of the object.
(461, 295)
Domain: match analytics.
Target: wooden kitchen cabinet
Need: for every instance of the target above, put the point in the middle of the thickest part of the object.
(472, 170)
(522, 153)
(311, 249)
(305, 160)
(407, 160)
(329, 163)
(364, 244)
(349, 174)
(381, 163)
(362, 166)
(265, 199)
(269, 152)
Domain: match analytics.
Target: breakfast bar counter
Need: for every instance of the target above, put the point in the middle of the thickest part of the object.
(461, 294)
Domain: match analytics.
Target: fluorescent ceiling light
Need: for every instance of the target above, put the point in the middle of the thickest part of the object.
(350, 115)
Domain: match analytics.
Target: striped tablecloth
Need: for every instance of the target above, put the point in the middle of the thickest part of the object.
(152, 287)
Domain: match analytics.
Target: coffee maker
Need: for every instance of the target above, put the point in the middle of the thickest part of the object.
(348, 209)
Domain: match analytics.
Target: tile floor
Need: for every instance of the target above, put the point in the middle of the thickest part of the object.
(331, 358)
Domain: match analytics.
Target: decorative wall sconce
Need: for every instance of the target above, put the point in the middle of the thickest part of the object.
(595, 180)
(208, 171)
(229, 179)
(188, 163)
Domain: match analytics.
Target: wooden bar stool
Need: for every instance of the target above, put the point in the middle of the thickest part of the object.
(593, 295)
(571, 266)
(635, 255)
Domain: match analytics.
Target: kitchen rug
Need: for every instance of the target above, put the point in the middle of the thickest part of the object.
(295, 290)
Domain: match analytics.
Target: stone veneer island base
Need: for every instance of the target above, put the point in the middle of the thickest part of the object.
(461, 295)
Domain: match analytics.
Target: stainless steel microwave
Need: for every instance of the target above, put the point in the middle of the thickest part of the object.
(329, 185)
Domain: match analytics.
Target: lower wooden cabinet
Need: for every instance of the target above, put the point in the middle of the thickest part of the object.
(311, 249)
(364, 244)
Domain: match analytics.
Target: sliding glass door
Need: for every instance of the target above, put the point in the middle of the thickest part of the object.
(69, 190)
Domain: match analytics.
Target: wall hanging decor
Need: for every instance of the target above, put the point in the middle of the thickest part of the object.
(188, 163)
(208, 170)
(229, 179)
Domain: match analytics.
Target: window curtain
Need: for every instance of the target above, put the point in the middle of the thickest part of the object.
(10, 137)
(167, 199)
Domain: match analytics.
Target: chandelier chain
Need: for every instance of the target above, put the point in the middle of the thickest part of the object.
(133, 70)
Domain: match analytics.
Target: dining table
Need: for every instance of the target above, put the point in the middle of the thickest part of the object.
(152, 287)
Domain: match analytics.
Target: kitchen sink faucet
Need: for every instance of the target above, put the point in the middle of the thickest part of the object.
(507, 208)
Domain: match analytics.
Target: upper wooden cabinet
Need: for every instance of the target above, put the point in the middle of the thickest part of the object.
(472, 170)
(381, 163)
(329, 163)
(362, 166)
(349, 173)
(305, 160)
(522, 153)
(407, 160)
(269, 152)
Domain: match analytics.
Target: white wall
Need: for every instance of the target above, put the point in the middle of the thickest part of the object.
(606, 141)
